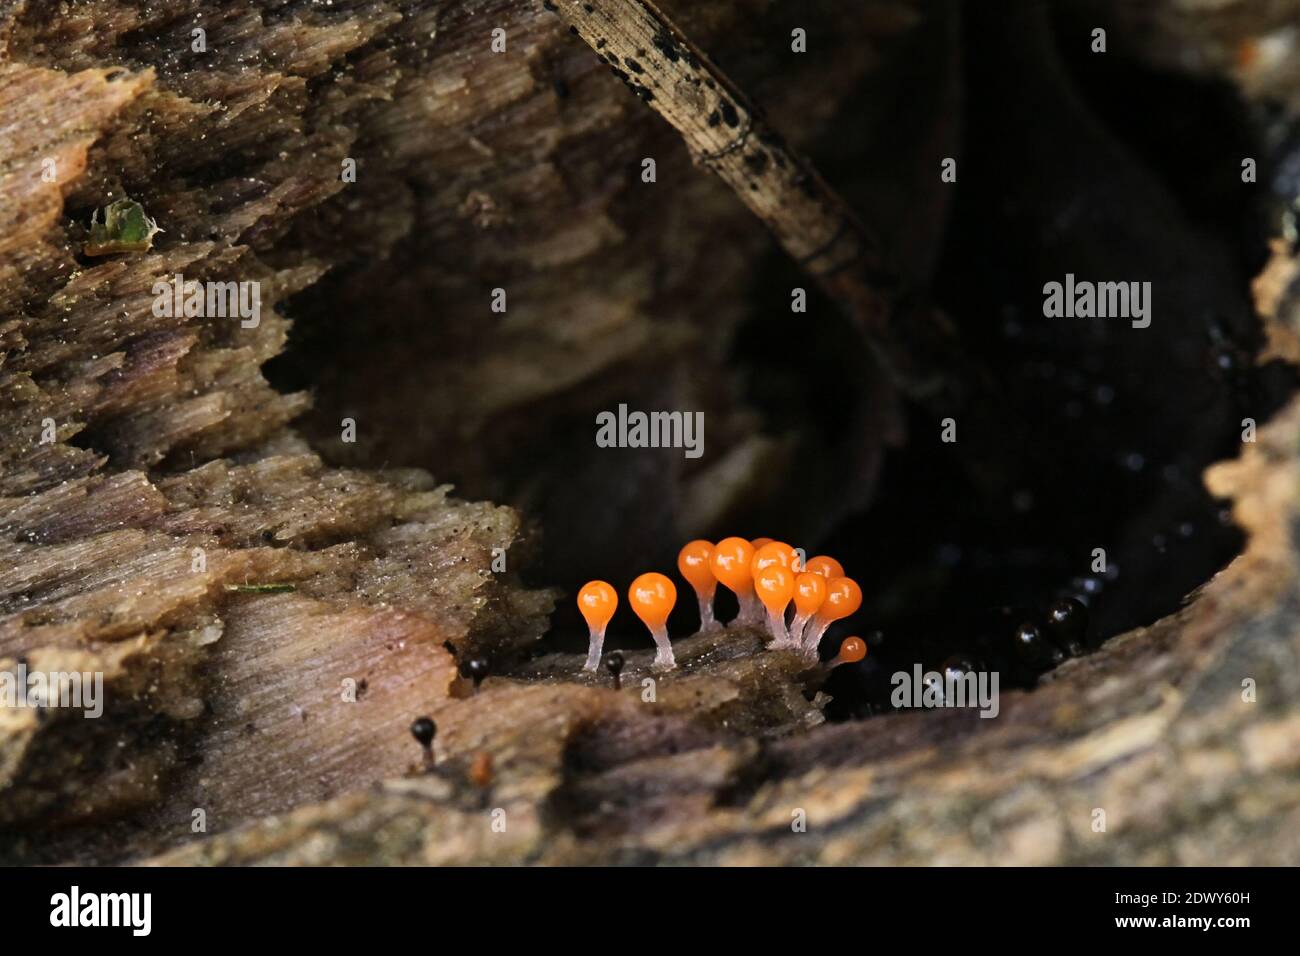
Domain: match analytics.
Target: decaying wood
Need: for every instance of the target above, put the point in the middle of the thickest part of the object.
(170, 441)
(729, 135)
(519, 171)
(1155, 730)
(480, 170)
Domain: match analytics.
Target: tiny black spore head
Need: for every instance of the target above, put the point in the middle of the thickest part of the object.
(423, 729)
(614, 664)
(1033, 649)
(476, 668)
(1067, 625)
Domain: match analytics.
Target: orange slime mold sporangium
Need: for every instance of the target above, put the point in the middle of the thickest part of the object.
(694, 562)
(852, 650)
(843, 597)
(652, 596)
(775, 586)
(825, 566)
(597, 602)
(809, 593)
(730, 563)
(775, 552)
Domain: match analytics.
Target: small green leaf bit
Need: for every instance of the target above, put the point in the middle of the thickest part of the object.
(126, 228)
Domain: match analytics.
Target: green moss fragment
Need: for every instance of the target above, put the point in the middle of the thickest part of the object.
(125, 228)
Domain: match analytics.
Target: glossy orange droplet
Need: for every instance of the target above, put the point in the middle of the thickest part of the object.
(774, 552)
(775, 586)
(694, 563)
(809, 593)
(730, 564)
(652, 596)
(843, 597)
(852, 650)
(825, 566)
(597, 601)
(759, 542)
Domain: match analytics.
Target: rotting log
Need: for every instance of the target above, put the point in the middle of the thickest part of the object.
(178, 474)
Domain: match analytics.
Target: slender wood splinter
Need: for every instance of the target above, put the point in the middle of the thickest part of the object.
(729, 135)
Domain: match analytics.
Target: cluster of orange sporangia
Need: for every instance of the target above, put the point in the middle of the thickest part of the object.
(764, 574)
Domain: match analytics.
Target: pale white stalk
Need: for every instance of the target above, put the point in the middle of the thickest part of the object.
(812, 636)
(797, 627)
(776, 626)
(708, 622)
(593, 650)
(664, 659)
